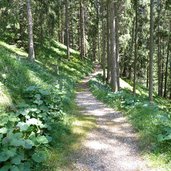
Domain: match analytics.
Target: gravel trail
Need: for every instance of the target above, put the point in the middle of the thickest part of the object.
(112, 145)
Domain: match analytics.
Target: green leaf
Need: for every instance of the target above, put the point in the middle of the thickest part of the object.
(38, 96)
(39, 156)
(5, 168)
(31, 88)
(44, 92)
(1, 136)
(42, 140)
(24, 112)
(16, 140)
(11, 152)
(4, 156)
(160, 138)
(23, 126)
(16, 160)
(38, 102)
(3, 130)
(24, 166)
(168, 137)
(28, 144)
(14, 168)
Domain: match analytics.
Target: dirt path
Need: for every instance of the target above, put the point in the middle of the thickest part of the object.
(112, 146)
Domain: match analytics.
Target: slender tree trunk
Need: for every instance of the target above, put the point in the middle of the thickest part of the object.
(131, 48)
(98, 30)
(63, 25)
(135, 46)
(108, 44)
(104, 49)
(30, 32)
(72, 34)
(82, 29)
(117, 46)
(113, 48)
(151, 51)
(21, 11)
(159, 62)
(167, 62)
(94, 50)
(67, 28)
(147, 82)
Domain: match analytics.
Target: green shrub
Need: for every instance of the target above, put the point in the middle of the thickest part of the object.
(41, 101)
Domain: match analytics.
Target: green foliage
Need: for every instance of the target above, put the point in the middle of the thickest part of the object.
(40, 100)
(152, 121)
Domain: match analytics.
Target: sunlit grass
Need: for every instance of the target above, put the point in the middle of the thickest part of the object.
(17, 73)
(14, 49)
(60, 156)
(5, 99)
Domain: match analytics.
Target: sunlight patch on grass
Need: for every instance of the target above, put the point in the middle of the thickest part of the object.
(61, 156)
(60, 45)
(5, 99)
(14, 49)
(35, 79)
(139, 90)
(158, 161)
(125, 85)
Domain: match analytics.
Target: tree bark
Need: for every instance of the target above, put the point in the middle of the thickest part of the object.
(135, 47)
(67, 28)
(151, 51)
(167, 62)
(30, 32)
(82, 29)
(159, 62)
(108, 44)
(117, 46)
(104, 49)
(113, 48)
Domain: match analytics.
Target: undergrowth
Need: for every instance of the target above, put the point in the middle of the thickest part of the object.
(35, 103)
(152, 121)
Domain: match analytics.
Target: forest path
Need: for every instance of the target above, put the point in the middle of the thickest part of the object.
(112, 145)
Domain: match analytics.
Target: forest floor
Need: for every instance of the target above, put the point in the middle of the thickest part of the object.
(112, 145)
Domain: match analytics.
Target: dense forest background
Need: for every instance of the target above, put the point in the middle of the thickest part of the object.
(129, 38)
(48, 46)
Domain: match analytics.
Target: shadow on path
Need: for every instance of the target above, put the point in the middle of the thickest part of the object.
(113, 145)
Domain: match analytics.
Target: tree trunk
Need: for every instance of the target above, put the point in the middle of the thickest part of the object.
(62, 24)
(21, 12)
(82, 29)
(108, 44)
(98, 30)
(104, 49)
(151, 51)
(67, 28)
(113, 48)
(131, 49)
(117, 46)
(159, 62)
(30, 32)
(135, 47)
(167, 62)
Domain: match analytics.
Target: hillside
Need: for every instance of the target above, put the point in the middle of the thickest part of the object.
(36, 101)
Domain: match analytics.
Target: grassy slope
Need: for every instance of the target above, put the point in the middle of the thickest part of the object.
(51, 70)
(151, 121)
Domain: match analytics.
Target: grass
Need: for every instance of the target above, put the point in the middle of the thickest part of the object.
(151, 121)
(51, 70)
(66, 144)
